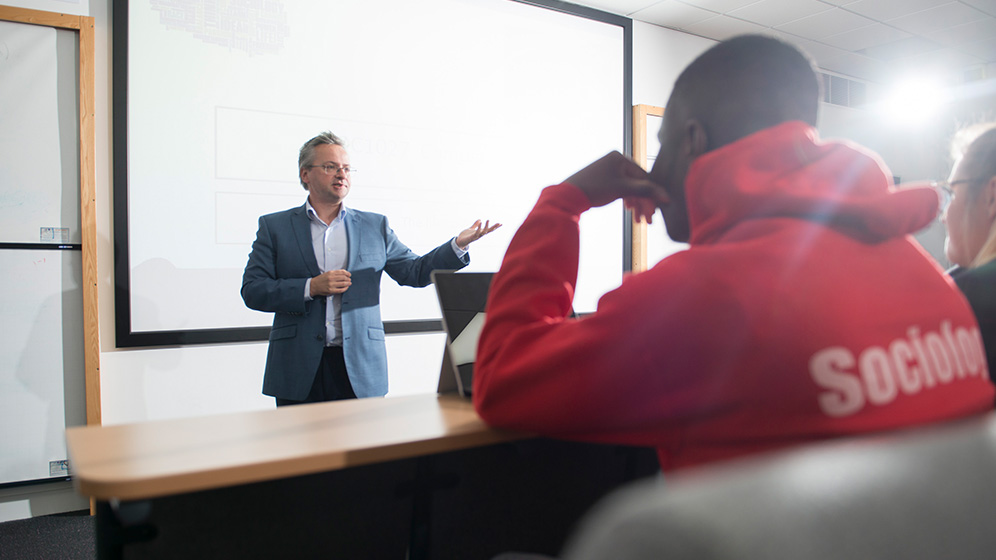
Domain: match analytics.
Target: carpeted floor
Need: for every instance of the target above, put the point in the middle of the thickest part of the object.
(63, 537)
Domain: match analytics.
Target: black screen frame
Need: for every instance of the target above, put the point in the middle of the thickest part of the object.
(125, 337)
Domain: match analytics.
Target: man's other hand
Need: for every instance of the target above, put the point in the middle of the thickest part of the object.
(331, 282)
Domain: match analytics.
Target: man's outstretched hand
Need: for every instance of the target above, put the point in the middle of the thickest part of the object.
(475, 232)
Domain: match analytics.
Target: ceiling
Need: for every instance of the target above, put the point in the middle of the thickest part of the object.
(872, 40)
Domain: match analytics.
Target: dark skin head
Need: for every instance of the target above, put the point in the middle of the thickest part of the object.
(734, 89)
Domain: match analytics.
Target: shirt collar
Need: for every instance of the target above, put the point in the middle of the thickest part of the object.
(312, 215)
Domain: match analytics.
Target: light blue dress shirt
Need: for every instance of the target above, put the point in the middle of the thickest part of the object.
(331, 247)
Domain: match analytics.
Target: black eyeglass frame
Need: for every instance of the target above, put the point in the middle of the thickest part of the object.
(946, 188)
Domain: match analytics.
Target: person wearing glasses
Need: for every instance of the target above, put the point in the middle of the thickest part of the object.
(318, 268)
(970, 221)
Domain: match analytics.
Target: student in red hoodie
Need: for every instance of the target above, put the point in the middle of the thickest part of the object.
(802, 310)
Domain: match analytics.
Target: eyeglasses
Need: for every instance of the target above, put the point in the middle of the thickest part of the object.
(331, 168)
(946, 188)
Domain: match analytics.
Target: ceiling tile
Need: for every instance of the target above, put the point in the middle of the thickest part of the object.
(772, 13)
(879, 32)
(987, 6)
(671, 13)
(971, 32)
(864, 37)
(883, 10)
(622, 7)
(720, 6)
(724, 27)
(904, 48)
(818, 51)
(947, 15)
(825, 24)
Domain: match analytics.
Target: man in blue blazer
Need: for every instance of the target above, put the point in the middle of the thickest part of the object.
(318, 269)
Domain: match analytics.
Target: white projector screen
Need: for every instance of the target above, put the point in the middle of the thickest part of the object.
(452, 110)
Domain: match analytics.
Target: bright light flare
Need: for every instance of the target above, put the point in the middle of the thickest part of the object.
(913, 102)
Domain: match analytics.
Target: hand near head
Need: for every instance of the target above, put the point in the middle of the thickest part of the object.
(331, 282)
(475, 232)
(615, 176)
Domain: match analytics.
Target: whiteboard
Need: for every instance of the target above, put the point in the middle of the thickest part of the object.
(39, 170)
(42, 387)
(41, 362)
(452, 110)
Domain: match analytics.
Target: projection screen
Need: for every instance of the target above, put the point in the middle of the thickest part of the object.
(452, 110)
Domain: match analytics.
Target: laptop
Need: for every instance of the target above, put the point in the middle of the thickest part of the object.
(462, 299)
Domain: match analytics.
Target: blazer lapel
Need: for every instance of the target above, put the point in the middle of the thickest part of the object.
(302, 232)
(352, 239)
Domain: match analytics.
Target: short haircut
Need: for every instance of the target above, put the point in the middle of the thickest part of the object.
(307, 154)
(746, 84)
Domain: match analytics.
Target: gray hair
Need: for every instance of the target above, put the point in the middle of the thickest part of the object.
(307, 154)
(976, 146)
(965, 138)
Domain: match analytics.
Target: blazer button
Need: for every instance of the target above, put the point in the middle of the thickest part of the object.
(319, 337)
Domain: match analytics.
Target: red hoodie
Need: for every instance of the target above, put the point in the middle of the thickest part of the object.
(802, 310)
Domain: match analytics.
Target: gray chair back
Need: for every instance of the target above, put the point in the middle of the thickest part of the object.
(927, 493)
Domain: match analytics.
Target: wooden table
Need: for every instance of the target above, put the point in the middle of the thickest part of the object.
(153, 459)
(351, 467)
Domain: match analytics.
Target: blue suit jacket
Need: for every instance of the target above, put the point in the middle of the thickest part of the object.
(282, 260)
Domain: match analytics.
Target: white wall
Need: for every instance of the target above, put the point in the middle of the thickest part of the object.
(151, 384)
(659, 56)
(21, 502)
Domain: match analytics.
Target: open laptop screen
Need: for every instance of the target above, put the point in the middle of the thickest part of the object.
(462, 299)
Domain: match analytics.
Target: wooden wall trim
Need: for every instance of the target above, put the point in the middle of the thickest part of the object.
(38, 17)
(640, 114)
(88, 207)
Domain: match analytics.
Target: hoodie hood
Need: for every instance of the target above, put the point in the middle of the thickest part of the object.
(786, 172)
